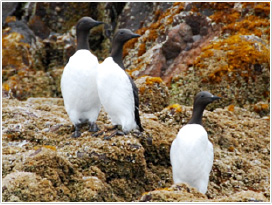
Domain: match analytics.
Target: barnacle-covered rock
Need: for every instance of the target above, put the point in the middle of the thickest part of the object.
(186, 193)
(153, 94)
(60, 180)
(56, 169)
(175, 193)
(26, 121)
(156, 140)
(93, 189)
(36, 138)
(27, 187)
(243, 196)
(233, 132)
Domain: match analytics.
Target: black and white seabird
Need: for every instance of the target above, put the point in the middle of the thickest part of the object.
(117, 91)
(191, 152)
(78, 81)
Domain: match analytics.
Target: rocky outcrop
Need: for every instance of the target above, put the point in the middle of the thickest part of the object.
(191, 46)
(38, 42)
(218, 70)
(28, 187)
(185, 193)
(153, 94)
(207, 47)
(94, 167)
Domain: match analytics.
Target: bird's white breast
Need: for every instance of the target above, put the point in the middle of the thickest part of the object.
(116, 94)
(192, 157)
(78, 85)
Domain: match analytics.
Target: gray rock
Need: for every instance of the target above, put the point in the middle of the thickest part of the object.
(22, 28)
(8, 9)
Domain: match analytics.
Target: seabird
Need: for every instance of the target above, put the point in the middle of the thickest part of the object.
(78, 81)
(191, 152)
(117, 91)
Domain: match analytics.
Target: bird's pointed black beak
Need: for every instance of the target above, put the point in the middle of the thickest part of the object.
(135, 35)
(214, 97)
(99, 22)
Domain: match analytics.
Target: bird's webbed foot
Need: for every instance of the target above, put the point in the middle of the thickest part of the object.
(93, 127)
(77, 132)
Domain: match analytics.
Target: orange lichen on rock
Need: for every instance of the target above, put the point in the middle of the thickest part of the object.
(153, 35)
(50, 147)
(260, 107)
(176, 107)
(141, 90)
(250, 25)
(231, 149)
(225, 17)
(15, 54)
(152, 80)
(128, 45)
(160, 19)
(262, 8)
(231, 108)
(236, 21)
(6, 86)
(241, 53)
(10, 19)
(45, 146)
(141, 49)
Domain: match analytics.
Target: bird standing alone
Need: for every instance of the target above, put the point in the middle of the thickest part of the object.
(191, 152)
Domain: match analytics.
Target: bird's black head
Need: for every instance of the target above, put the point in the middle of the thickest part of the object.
(123, 35)
(86, 23)
(119, 39)
(204, 98)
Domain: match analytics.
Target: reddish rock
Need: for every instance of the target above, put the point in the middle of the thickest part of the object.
(39, 27)
(136, 15)
(177, 40)
(155, 68)
(187, 58)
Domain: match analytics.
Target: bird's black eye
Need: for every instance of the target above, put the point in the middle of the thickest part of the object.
(121, 32)
(202, 96)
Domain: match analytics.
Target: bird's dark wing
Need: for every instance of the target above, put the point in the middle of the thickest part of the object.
(136, 102)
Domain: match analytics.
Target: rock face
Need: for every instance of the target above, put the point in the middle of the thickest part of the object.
(206, 47)
(191, 46)
(38, 42)
(183, 48)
